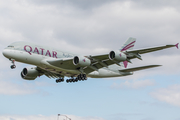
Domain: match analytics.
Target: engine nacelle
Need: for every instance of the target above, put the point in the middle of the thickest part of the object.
(117, 56)
(81, 61)
(29, 73)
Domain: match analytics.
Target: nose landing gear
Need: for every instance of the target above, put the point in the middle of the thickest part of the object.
(13, 62)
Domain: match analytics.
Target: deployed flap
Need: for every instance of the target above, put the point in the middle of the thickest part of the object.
(147, 50)
(48, 73)
(138, 68)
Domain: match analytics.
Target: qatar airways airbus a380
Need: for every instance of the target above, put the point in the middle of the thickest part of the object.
(58, 64)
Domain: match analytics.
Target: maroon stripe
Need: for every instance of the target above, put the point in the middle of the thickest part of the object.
(130, 43)
(127, 46)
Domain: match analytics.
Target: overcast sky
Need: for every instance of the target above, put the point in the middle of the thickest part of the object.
(93, 27)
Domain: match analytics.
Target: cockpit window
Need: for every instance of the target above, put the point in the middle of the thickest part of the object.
(10, 46)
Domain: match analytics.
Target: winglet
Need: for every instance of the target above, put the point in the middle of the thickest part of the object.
(129, 44)
(177, 45)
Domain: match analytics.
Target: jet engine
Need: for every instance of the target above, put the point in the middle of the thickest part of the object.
(81, 61)
(117, 56)
(29, 73)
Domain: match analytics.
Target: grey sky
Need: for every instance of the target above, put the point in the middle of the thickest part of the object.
(89, 4)
(106, 22)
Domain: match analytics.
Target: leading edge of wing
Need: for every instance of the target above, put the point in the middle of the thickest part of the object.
(139, 68)
(152, 49)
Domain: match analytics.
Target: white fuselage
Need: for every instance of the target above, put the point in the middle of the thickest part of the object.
(38, 55)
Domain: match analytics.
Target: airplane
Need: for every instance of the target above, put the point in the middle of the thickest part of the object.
(58, 64)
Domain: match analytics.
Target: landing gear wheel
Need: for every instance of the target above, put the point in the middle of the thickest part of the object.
(84, 77)
(67, 80)
(59, 80)
(13, 66)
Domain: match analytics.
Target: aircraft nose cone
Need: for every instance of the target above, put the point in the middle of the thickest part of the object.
(5, 52)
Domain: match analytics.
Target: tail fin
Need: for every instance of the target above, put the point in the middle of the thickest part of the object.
(129, 44)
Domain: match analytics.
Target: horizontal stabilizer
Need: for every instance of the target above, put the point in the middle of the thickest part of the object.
(138, 68)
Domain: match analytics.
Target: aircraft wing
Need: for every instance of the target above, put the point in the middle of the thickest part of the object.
(147, 50)
(97, 62)
(100, 61)
(104, 61)
(138, 68)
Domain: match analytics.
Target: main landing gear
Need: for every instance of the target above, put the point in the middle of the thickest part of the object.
(60, 80)
(78, 78)
(13, 66)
